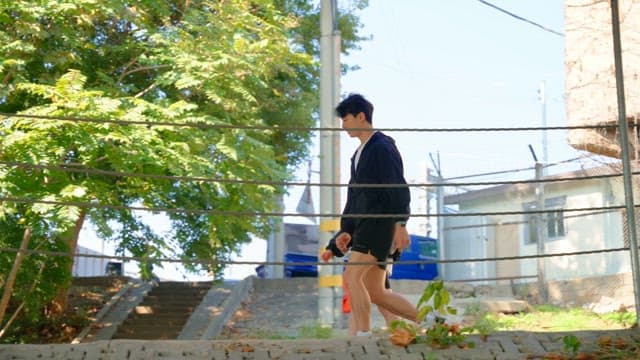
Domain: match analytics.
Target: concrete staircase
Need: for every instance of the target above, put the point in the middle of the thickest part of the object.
(163, 312)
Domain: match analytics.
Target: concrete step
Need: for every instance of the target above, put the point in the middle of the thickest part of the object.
(163, 308)
(160, 321)
(166, 284)
(158, 326)
(169, 286)
(163, 312)
(148, 333)
(184, 302)
(102, 281)
(179, 290)
(153, 300)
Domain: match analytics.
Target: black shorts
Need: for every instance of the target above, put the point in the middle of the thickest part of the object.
(374, 236)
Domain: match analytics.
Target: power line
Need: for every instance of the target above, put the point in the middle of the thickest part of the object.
(512, 170)
(83, 170)
(97, 205)
(202, 125)
(520, 222)
(521, 18)
(299, 263)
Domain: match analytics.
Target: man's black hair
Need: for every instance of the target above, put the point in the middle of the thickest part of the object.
(355, 104)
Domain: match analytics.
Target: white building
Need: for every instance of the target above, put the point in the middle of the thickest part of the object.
(565, 231)
(84, 266)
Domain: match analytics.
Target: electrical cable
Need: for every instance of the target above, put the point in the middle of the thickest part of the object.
(83, 170)
(521, 18)
(202, 125)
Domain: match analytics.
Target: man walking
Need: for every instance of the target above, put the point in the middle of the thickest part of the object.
(376, 161)
(330, 251)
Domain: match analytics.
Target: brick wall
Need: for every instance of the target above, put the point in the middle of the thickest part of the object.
(591, 97)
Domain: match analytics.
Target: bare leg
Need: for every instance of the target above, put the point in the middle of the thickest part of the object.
(391, 301)
(388, 315)
(352, 325)
(360, 301)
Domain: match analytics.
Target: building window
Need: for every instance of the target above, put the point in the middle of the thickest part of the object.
(530, 224)
(555, 225)
(554, 220)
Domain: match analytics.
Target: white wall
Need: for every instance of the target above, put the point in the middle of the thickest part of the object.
(88, 266)
(583, 233)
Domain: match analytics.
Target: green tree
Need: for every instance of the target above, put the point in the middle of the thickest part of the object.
(206, 65)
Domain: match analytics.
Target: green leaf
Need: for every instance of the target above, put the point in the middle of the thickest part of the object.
(427, 294)
(398, 324)
(73, 191)
(187, 81)
(422, 313)
(444, 294)
(437, 300)
(438, 284)
(152, 63)
(228, 150)
(43, 208)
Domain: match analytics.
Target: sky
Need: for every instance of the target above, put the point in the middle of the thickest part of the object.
(453, 64)
(458, 64)
(462, 64)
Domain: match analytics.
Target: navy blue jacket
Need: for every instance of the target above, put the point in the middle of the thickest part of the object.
(380, 163)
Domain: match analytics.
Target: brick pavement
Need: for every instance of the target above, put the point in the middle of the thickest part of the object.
(281, 309)
(501, 346)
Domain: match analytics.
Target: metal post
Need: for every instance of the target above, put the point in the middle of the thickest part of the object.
(276, 246)
(545, 146)
(541, 229)
(336, 205)
(439, 220)
(326, 304)
(427, 190)
(624, 146)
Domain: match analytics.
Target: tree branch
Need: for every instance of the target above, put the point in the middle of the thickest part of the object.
(15, 314)
(7, 77)
(6, 296)
(124, 72)
(141, 93)
(142, 68)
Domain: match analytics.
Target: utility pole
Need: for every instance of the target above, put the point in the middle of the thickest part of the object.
(542, 233)
(440, 210)
(276, 246)
(337, 204)
(623, 127)
(541, 228)
(329, 280)
(545, 146)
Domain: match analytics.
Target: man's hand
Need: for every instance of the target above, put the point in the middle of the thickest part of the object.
(342, 241)
(326, 255)
(401, 238)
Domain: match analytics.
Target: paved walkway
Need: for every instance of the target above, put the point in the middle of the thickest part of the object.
(280, 310)
(503, 346)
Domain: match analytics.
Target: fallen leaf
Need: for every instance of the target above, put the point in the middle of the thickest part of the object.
(554, 356)
(402, 337)
(584, 356)
(620, 343)
(604, 341)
